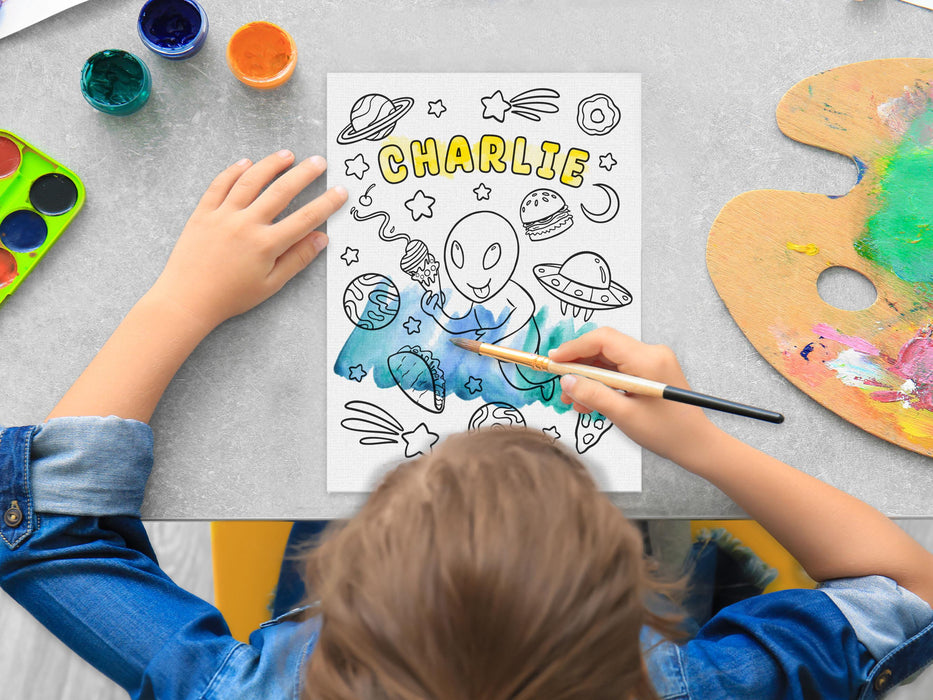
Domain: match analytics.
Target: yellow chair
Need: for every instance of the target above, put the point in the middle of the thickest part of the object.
(247, 557)
(757, 539)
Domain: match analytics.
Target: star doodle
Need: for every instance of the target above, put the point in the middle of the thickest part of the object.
(357, 167)
(357, 373)
(482, 192)
(495, 106)
(419, 441)
(436, 108)
(420, 205)
(474, 386)
(552, 432)
(606, 162)
(412, 325)
(350, 256)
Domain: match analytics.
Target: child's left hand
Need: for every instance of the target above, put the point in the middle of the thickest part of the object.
(230, 257)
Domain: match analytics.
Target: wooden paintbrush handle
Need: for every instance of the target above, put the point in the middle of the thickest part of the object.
(616, 380)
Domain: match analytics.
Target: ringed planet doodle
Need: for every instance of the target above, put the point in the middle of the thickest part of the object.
(373, 117)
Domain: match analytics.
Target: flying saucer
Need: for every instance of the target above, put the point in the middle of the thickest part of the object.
(373, 117)
(584, 283)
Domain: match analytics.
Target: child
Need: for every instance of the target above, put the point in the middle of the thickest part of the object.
(489, 569)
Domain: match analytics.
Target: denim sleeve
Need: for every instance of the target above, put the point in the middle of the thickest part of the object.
(77, 557)
(883, 614)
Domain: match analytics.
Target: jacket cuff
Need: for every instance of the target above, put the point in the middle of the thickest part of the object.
(88, 465)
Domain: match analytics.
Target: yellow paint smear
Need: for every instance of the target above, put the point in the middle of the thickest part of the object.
(808, 249)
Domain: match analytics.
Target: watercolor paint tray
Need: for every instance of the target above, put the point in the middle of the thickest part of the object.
(38, 199)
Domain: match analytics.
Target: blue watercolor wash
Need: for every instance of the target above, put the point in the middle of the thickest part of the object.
(174, 29)
(372, 348)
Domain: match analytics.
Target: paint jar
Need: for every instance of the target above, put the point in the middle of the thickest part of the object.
(115, 82)
(174, 29)
(262, 55)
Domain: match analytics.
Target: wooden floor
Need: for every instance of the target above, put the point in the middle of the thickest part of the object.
(36, 666)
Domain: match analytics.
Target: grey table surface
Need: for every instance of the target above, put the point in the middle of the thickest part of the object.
(239, 432)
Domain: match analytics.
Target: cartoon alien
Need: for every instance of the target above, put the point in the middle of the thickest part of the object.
(480, 255)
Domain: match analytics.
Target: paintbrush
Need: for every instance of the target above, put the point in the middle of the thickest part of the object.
(617, 380)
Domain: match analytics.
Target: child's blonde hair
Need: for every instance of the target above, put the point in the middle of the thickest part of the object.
(491, 569)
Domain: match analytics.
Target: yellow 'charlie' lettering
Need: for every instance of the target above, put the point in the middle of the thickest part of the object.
(391, 159)
(424, 157)
(491, 154)
(574, 165)
(458, 155)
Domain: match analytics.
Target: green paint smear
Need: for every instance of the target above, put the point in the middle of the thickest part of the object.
(899, 235)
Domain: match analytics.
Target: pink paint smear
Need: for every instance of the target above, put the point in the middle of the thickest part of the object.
(863, 346)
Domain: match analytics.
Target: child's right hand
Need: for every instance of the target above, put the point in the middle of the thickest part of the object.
(671, 429)
(231, 256)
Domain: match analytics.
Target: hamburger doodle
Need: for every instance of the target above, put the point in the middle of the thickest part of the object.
(379, 427)
(544, 214)
(371, 301)
(597, 115)
(583, 283)
(373, 117)
(529, 104)
(480, 256)
(417, 262)
(610, 213)
(420, 377)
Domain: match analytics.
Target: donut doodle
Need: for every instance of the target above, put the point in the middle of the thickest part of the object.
(420, 377)
(590, 428)
(371, 301)
(597, 115)
(497, 415)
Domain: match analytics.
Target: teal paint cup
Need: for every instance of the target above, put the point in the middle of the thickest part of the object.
(116, 82)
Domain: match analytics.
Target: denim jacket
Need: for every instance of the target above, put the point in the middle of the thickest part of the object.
(76, 556)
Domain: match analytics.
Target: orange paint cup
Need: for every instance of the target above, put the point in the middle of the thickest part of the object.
(262, 55)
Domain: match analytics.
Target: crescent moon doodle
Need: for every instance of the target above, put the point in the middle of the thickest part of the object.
(611, 210)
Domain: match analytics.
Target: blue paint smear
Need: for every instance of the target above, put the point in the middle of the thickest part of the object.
(860, 169)
(372, 348)
(805, 353)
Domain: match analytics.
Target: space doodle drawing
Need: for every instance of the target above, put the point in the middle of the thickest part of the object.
(503, 208)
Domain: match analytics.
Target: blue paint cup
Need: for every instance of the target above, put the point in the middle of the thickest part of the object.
(173, 29)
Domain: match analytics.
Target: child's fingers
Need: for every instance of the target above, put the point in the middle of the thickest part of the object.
(607, 342)
(588, 395)
(256, 177)
(280, 193)
(218, 190)
(299, 224)
(297, 258)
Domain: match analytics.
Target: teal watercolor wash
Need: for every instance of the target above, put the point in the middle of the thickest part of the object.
(115, 82)
(370, 349)
(899, 235)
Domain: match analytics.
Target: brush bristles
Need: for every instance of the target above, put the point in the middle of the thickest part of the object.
(471, 345)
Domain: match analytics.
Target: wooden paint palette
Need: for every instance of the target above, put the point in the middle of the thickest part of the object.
(38, 199)
(766, 249)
